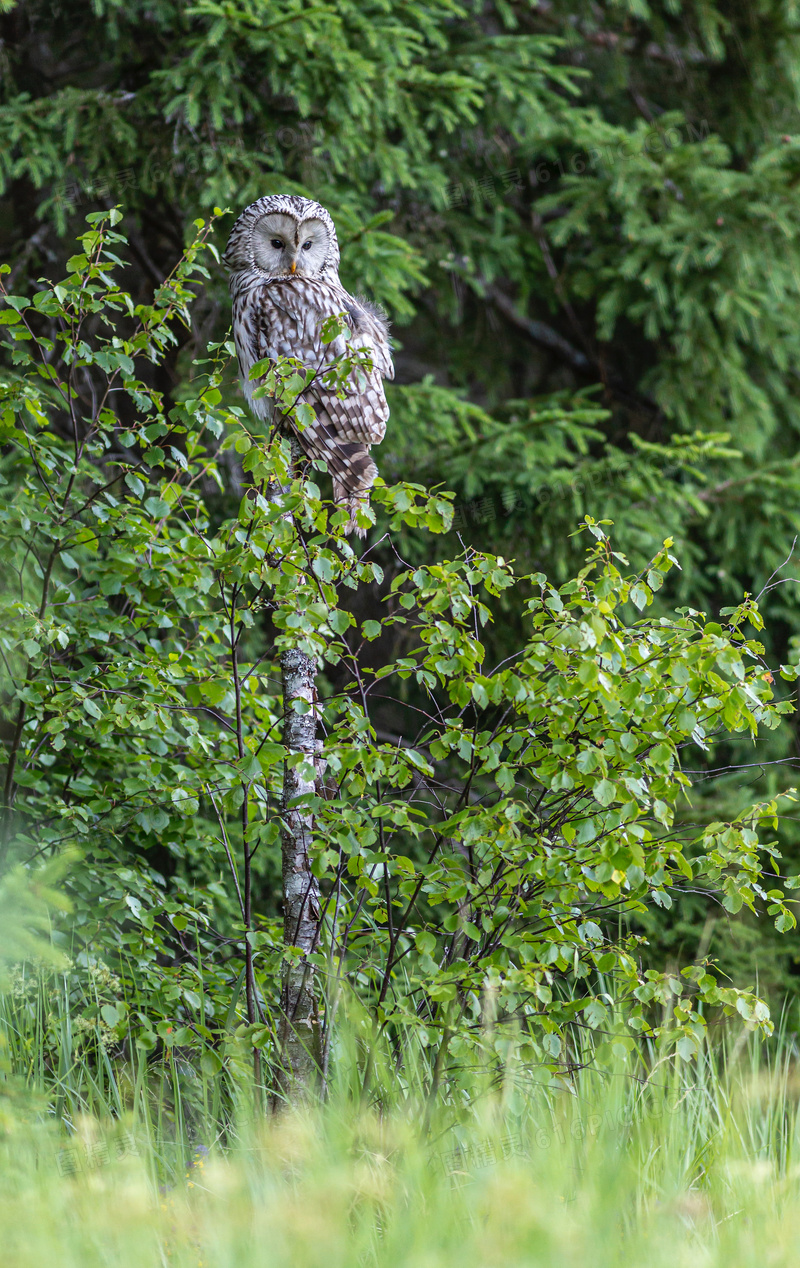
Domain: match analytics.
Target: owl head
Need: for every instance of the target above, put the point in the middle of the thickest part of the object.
(283, 235)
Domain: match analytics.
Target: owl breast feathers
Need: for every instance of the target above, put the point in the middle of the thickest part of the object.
(283, 259)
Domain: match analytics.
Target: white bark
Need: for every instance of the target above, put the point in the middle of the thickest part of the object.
(300, 1025)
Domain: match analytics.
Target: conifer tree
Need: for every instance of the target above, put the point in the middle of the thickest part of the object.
(582, 220)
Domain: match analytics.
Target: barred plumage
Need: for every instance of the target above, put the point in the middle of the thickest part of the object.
(283, 257)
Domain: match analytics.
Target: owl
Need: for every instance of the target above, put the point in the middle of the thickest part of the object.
(283, 259)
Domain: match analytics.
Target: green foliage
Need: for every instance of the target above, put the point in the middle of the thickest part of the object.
(477, 865)
(547, 201)
(582, 222)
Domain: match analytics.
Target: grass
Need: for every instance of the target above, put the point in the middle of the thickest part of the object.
(699, 1166)
(118, 1158)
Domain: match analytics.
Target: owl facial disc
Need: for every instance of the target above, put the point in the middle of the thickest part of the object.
(303, 230)
(286, 247)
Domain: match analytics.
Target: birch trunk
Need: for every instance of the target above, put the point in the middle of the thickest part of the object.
(299, 1032)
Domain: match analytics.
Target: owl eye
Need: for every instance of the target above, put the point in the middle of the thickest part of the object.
(277, 244)
(307, 245)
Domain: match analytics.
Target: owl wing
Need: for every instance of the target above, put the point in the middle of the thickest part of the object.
(360, 413)
(288, 323)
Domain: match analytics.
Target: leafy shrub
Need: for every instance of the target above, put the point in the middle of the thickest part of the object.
(469, 875)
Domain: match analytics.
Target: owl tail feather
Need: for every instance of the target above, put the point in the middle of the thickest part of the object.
(351, 468)
(352, 503)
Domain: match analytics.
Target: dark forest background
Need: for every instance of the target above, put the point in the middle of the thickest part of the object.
(583, 221)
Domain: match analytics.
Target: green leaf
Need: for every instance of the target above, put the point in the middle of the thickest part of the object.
(210, 1063)
(215, 691)
(604, 792)
(340, 621)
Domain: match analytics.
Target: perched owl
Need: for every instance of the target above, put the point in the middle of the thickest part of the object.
(283, 259)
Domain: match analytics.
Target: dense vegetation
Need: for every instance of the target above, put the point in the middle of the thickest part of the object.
(679, 1174)
(548, 791)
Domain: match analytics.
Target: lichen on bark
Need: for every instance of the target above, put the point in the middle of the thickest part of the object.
(299, 1033)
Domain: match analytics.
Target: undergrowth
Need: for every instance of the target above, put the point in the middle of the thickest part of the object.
(140, 1159)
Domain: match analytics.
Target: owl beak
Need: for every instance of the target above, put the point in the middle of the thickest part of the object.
(293, 265)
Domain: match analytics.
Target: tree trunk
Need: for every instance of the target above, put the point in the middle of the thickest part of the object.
(299, 1033)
